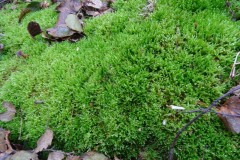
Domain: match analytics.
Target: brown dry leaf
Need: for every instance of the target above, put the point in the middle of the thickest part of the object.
(73, 158)
(31, 7)
(68, 23)
(96, 4)
(3, 145)
(23, 155)
(9, 114)
(34, 29)
(44, 141)
(55, 156)
(93, 156)
(228, 110)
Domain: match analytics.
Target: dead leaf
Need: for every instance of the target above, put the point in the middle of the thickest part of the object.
(23, 155)
(55, 156)
(227, 112)
(60, 31)
(73, 158)
(96, 4)
(5, 146)
(34, 29)
(93, 156)
(20, 54)
(72, 21)
(9, 114)
(44, 141)
(31, 7)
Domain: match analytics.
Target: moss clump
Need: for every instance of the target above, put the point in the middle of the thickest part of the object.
(109, 91)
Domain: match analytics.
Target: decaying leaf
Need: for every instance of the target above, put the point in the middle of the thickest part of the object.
(55, 156)
(20, 54)
(93, 156)
(9, 114)
(149, 8)
(73, 22)
(31, 7)
(230, 114)
(5, 146)
(70, 21)
(23, 155)
(34, 29)
(44, 141)
(73, 158)
(96, 4)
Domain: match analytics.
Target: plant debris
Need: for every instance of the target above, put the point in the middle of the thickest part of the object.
(20, 54)
(55, 156)
(230, 114)
(32, 7)
(34, 28)
(235, 63)
(23, 155)
(149, 8)
(9, 114)
(215, 103)
(44, 141)
(176, 107)
(93, 156)
(70, 21)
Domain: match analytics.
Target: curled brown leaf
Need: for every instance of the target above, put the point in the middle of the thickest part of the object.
(44, 141)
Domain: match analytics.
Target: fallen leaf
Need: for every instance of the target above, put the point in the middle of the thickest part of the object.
(34, 29)
(4, 156)
(23, 155)
(93, 156)
(9, 114)
(72, 21)
(60, 31)
(230, 114)
(73, 158)
(20, 54)
(3, 145)
(55, 156)
(44, 141)
(96, 4)
(31, 7)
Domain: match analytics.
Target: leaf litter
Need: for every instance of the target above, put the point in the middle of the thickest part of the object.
(44, 141)
(69, 25)
(9, 114)
(229, 113)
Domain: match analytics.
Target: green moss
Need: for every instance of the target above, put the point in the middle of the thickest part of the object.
(109, 91)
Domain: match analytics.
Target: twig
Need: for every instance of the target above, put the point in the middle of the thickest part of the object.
(233, 71)
(215, 102)
(202, 110)
(21, 123)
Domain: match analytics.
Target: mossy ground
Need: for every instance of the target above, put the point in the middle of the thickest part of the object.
(110, 91)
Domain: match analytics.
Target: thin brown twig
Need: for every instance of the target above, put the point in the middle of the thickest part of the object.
(215, 102)
(202, 110)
